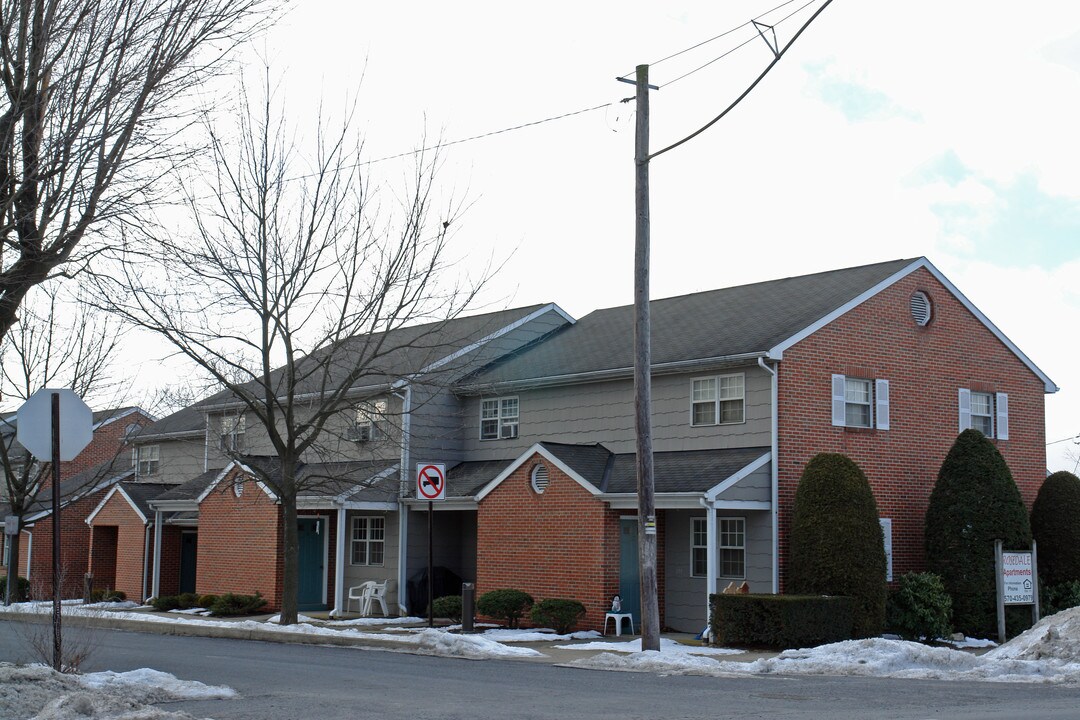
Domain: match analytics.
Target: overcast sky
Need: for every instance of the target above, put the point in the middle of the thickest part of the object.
(890, 130)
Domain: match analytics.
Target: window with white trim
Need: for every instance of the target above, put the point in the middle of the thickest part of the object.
(233, 429)
(699, 547)
(987, 412)
(147, 460)
(860, 402)
(732, 546)
(719, 400)
(499, 418)
(368, 539)
(369, 422)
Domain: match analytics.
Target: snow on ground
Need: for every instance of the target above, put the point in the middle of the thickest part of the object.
(667, 647)
(1055, 639)
(389, 622)
(35, 691)
(505, 635)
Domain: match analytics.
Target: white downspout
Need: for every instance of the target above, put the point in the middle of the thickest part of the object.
(403, 509)
(711, 564)
(29, 556)
(339, 565)
(155, 590)
(775, 476)
(145, 556)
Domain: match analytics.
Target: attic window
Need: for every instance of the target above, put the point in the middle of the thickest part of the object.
(539, 478)
(921, 311)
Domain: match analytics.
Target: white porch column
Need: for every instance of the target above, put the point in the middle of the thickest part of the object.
(155, 589)
(711, 559)
(339, 565)
(403, 556)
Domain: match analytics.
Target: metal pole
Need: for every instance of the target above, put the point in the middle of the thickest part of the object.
(999, 569)
(430, 569)
(56, 528)
(1035, 609)
(650, 607)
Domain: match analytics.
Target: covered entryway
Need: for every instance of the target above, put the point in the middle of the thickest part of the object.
(311, 586)
(189, 554)
(629, 568)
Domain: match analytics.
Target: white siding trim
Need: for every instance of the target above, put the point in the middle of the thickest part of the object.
(537, 449)
(881, 398)
(964, 408)
(1001, 405)
(116, 489)
(886, 532)
(712, 493)
(839, 400)
(245, 470)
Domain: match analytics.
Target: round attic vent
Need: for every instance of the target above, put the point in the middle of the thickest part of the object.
(921, 311)
(539, 478)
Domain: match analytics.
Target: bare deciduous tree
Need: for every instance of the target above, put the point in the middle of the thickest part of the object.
(295, 288)
(87, 113)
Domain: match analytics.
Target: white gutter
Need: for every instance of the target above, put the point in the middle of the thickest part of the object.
(145, 557)
(403, 515)
(339, 565)
(155, 588)
(29, 556)
(775, 476)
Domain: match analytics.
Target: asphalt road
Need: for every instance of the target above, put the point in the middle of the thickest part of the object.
(326, 683)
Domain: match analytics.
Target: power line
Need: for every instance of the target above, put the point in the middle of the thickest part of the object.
(1074, 438)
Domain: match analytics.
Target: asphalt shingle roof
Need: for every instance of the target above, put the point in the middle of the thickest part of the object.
(729, 321)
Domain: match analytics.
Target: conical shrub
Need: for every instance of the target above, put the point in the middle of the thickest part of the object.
(1055, 523)
(836, 545)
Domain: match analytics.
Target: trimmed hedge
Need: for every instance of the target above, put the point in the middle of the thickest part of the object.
(560, 614)
(507, 604)
(836, 543)
(974, 502)
(780, 621)
(1055, 598)
(919, 608)
(448, 606)
(1055, 524)
(231, 604)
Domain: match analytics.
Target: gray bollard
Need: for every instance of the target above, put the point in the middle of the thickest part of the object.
(468, 596)
(88, 587)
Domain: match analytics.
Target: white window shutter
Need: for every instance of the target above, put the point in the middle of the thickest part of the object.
(839, 400)
(965, 409)
(881, 396)
(886, 533)
(1002, 405)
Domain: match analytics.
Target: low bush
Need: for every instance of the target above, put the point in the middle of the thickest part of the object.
(560, 614)
(781, 621)
(231, 604)
(166, 603)
(206, 601)
(107, 595)
(21, 592)
(1062, 596)
(920, 608)
(509, 605)
(448, 606)
(188, 601)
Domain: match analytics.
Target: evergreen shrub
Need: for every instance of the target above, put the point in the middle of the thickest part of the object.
(836, 544)
(107, 595)
(507, 604)
(21, 593)
(1055, 525)
(231, 604)
(448, 606)
(557, 613)
(1062, 596)
(920, 608)
(166, 603)
(975, 502)
(780, 621)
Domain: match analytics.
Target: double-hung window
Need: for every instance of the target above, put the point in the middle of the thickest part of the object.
(699, 547)
(233, 429)
(368, 540)
(987, 412)
(732, 546)
(370, 417)
(147, 460)
(499, 418)
(860, 402)
(718, 400)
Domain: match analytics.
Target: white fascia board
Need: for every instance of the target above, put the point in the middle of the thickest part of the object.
(116, 489)
(224, 473)
(662, 501)
(174, 505)
(740, 505)
(129, 411)
(712, 493)
(342, 499)
(777, 352)
(534, 450)
(550, 307)
(385, 506)
(468, 504)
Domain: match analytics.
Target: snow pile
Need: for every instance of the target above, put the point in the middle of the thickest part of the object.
(1054, 638)
(36, 692)
(668, 648)
(373, 621)
(440, 642)
(505, 635)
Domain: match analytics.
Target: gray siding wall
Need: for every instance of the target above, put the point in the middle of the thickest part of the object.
(604, 413)
(179, 460)
(755, 486)
(356, 574)
(685, 598)
(436, 427)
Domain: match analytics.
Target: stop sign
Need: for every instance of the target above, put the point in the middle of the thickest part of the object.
(34, 420)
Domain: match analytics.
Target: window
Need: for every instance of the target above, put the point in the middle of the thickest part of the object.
(987, 412)
(499, 419)
(146, 460)
(860, 402)
(368, 540)
(369, 421)
(699, 547)
(718, 400)
(886, 534)
(232, 432)
(732, 547)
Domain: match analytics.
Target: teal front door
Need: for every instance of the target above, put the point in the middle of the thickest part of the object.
(629, 570)
(311, 586)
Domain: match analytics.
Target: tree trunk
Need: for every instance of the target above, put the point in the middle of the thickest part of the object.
(291, 574)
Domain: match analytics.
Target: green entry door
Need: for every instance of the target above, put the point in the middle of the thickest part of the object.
(312, 536)
(629, 570)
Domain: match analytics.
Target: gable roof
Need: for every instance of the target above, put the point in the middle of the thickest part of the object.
(725, 325)
(137, 496)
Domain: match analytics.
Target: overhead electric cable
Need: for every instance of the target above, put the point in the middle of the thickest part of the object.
(1074, 438)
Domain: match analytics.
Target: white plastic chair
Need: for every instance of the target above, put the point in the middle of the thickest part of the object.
(377, 593)
(361, 594)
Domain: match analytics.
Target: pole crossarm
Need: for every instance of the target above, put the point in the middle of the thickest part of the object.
(773, 44)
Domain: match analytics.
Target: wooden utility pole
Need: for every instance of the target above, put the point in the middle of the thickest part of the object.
(650, 606)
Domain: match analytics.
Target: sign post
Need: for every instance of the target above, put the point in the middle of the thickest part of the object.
(430, 486)
(1017, 582)
(55, 425)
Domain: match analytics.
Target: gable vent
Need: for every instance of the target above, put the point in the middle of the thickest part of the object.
(539, 478)
(920, 309)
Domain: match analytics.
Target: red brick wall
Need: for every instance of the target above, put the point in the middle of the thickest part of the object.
(240, 545)
(103, 542)
(129, 555)
(108, 443)
(561, 544)
(74, 549)
(169, 577)
(925, 366)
